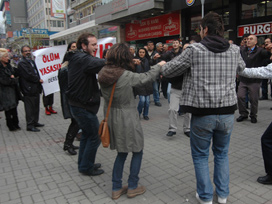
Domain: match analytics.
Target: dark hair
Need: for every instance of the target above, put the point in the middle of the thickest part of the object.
(83, 38)
(146, 53)
(119, 56)
(24, 47)
(104, 53)
(245, 36)
(149, 42)
(70, 45)
(214, 23)
(175, 39)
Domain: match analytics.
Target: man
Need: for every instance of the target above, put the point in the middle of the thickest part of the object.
(132, 50)
(267, 61)
(208, 92)
(165, 48)
(253, 57)
(175, 94)
(84, 99)
(152, 61)
(14, 61)
(31, 88)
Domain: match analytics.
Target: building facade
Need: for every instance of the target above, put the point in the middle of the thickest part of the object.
(80, 19)
(15, 17)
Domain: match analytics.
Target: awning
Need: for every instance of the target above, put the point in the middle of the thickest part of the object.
(74, 32)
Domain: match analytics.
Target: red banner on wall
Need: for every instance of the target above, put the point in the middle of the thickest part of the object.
(255, 29)
(164, 25)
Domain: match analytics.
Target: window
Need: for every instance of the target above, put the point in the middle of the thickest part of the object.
(253, 9)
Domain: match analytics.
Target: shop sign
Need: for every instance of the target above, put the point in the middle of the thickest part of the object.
(58, 8)
(255, 29)
(190, 2)
(119, 5)
(164, 25)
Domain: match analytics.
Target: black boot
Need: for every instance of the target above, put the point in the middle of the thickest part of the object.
(68, 144)
(70, 149)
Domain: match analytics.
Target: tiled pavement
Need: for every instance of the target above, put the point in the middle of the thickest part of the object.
(35, 169)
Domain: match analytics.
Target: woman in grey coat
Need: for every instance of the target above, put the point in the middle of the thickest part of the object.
(124, 123)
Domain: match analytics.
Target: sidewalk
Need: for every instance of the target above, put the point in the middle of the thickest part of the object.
(35, 169)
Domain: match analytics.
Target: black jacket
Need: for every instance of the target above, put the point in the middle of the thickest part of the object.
(146, 89)
(82, 83)
(29, 78)
(8, 86)
(253, 59)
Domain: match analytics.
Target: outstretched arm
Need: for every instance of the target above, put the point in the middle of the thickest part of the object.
(259, 72)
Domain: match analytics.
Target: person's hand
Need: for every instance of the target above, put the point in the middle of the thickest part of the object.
(136, 61)
(12, 76)
(162, 63)
(156, 56)
(41, 81)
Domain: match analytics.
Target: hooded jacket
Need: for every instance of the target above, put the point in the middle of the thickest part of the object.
(209, 69)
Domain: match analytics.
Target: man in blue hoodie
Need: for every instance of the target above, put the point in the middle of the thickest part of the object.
(208, 92)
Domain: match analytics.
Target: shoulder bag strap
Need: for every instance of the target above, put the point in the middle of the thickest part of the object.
(109, 106)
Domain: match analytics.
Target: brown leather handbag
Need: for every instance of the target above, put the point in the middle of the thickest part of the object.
(103, 131)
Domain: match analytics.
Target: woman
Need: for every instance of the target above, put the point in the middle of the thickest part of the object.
(63, 82)
(8, 91)
(143, 91)
(124, 123)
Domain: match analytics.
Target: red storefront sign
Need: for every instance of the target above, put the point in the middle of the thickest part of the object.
(255, 29)
(165, 25)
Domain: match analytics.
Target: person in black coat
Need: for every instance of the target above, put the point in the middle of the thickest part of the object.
(8, 91)
(145, 91)
(63, 83)
(31, 88)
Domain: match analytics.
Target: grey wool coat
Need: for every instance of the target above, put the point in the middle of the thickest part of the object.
(126, 134)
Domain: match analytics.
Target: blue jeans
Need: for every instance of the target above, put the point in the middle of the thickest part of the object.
(143, 104)
(156, 94)
(118, 167)
(217, 128)
(89, 141)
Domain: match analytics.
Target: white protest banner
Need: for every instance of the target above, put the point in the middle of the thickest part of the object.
(48, 61)
(104, 43)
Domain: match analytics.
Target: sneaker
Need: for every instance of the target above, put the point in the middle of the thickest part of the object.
(187, 134)
(116, 194)
(201, 201)
(170, 133)
(131, 193)
(221, 200)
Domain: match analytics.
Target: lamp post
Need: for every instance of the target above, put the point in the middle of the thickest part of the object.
(202, 2)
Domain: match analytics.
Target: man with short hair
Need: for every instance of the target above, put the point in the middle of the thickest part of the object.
(84, 100)
(175, 94)
(156, 83)
(31, 88)
(267, 61)
(132, 50)
(208, 92)
(165, 48)
(253, 57)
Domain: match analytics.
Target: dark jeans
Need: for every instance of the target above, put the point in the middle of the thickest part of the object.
(267, 149)
(32, 110)
(89, 141)
(48, 100)
(118, 168)
(12, 118)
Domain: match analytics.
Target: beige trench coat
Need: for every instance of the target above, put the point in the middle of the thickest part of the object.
(124, 122)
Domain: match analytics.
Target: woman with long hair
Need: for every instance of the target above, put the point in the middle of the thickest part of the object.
(143, 91)
(124, 123)
(63, 82)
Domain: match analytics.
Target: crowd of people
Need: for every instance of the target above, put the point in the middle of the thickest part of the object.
(205, 81)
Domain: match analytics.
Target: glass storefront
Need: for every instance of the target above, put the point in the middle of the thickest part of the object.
(253, 9)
